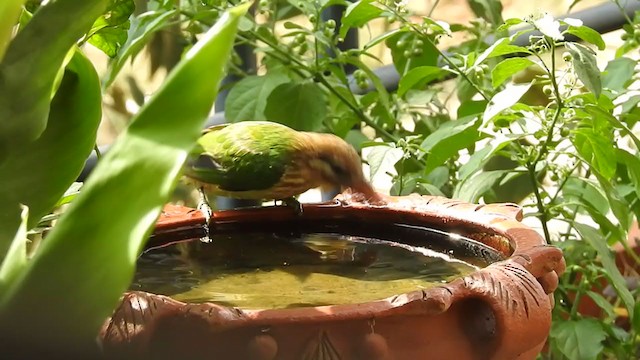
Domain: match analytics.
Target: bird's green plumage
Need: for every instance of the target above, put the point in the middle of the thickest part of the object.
(246, 156)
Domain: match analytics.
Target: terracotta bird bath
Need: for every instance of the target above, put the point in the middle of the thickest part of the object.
(501, 311)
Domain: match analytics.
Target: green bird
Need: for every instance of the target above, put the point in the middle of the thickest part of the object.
(262, 160)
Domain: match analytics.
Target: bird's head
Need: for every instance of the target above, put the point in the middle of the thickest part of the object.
(337, 163)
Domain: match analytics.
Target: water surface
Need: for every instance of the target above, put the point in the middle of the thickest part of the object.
(280, 270)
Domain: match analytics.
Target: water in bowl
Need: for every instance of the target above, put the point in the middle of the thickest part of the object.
(283, 270)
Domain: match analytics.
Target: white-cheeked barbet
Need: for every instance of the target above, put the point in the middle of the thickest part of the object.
(268, 161)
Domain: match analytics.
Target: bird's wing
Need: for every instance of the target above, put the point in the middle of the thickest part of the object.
(241, 158)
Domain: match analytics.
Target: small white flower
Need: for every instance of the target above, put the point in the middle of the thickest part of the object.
(549, 26)
(573, 22)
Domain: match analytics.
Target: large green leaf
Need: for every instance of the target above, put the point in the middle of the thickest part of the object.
(38, 175)
(618, 74)
(9, 13)
(585, 191)
(507, 68)
(420, 76)
(596, 147)
(504, 100)
(472, 189)
(301, 106)
(449, 139)
(381, 157)
(16, 254)
(599, 113)
(596, 240)
(619, 206)
(587, 34)
(358, 14)
(579, 339)
(30, 65)
(632, 163)
(483, 155)
(88, 260)
(586, 67)
(500, 48)
(247, 99)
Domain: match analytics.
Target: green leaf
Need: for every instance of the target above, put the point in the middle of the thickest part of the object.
(472, 189)
(587, 34)
(382, 157)
(618, 204)
(635, 321)
(599, 113)
(16, 258)
(508, 67)
(383, 37)
(109, 31)
(618, 74)
(424, 188)
(92, 251)
(594, 238)
(483, 155)
(30, 65)
(597, 149)
(504, 100)
(449, 139)
(66, 143)
(585, 190)
(579, 339)
(301, 106)
(247, 99)
(325, 3)
(632, 163)
(603, 303)
(140, 31)
(358, 14)
(10, 10)
(586, 67)
(109, 40)
(500, 48)
(69, 194)
(509, 23)
(418, 77)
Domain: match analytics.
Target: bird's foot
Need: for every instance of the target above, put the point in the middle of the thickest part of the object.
(207, 212)
(294, 204)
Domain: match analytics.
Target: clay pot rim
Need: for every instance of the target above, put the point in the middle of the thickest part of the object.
(501, 221)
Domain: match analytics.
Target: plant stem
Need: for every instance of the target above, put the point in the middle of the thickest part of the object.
(97, 151)
(539, 202)
(532, 165)
(624, 13)
(433, 8)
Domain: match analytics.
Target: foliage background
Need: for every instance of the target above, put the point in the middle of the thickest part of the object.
(554, 131)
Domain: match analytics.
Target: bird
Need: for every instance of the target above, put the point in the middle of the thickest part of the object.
(262, 160)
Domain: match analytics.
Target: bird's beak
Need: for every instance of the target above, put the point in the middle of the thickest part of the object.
(370, 194)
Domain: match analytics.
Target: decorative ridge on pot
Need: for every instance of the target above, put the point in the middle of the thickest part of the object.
(502, 311)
